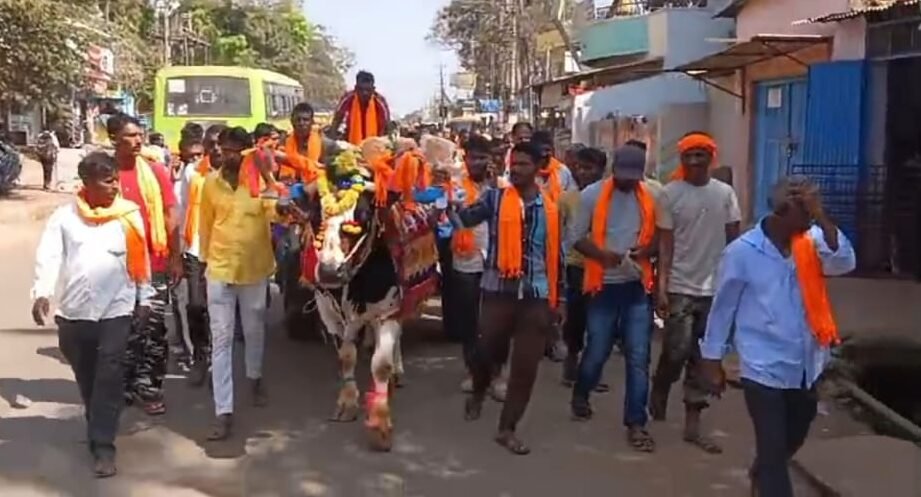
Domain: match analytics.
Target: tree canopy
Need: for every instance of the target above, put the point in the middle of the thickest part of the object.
(43, 44)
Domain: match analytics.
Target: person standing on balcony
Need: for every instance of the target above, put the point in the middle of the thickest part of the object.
(771, 288)
(696, 217)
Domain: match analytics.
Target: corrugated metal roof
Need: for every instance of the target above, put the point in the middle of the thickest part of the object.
(868, 7)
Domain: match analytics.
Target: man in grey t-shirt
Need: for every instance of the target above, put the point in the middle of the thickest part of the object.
(697, 217)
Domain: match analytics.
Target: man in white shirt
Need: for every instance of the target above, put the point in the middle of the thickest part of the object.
(193, 295)
(696, 218)
(97, 246)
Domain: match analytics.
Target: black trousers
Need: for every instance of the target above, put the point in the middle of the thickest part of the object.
(781, 418)
(576, 311)
(96, 353)
(197, 308)
(465, 313)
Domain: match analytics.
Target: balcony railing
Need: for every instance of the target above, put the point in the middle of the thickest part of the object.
(619, 8)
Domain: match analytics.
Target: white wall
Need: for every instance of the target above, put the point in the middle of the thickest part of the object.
(642, 97)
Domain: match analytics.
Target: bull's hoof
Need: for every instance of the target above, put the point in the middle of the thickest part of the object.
(345, 413)
(398, 381)
(381, 438)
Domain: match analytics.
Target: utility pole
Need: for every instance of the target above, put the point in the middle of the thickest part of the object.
(442, 106)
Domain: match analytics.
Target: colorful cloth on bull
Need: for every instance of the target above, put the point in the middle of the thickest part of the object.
(411, 241)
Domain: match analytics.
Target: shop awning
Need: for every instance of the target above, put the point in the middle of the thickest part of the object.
(743, 54)
(609, 76)
(878, 7)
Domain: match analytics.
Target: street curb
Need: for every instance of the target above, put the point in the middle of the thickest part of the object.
(815, 481)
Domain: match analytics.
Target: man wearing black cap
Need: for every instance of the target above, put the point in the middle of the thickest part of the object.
(614, 229)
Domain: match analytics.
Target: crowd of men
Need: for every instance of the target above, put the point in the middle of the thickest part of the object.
(536, 239)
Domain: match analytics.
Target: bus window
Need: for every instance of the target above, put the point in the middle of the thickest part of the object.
(280, 100)
(218, 96)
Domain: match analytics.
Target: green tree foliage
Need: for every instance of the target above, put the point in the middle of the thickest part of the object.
(42, 52)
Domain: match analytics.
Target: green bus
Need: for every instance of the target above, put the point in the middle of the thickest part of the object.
(233, 96)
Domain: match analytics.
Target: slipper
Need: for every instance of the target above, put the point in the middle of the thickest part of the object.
(104, 467)
(603, 388)
(220, 428)
(704, 443)
(640, 440)
(513, 444)
(153, 407)
(473, 408)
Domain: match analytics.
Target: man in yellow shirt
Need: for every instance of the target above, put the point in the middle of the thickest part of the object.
(235, 243)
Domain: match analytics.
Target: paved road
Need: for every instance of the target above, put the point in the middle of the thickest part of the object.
(289, 449)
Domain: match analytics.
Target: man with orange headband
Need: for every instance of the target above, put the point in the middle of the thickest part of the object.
(363, 110)
(784, 325)
(615, 230)
(696, 217)
(521, 281)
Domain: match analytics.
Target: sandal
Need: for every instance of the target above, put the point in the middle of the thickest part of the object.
(603, 388)
(513, 444)
(640, 439)
(473, 408)
(153, 407)
(581, 410)
(220, 429)
(704, 443)
(104, 467)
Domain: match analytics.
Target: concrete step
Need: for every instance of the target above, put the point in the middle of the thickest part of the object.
(864, 465)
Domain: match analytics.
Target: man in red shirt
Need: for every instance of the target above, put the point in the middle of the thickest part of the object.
(149, 186)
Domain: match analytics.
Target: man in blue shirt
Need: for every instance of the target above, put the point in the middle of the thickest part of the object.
(514, 308)
(758, 290)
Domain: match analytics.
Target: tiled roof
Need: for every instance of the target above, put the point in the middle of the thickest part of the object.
(862, 7)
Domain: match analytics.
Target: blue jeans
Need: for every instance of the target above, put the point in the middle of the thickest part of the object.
(619, 309)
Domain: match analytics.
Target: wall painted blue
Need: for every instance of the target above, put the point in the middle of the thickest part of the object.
(615, 37)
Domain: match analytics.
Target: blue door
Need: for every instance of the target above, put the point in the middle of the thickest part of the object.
(780, 120)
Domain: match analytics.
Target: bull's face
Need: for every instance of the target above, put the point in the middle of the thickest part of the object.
(344, 240)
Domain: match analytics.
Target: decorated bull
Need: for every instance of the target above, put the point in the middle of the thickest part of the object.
(370, 257)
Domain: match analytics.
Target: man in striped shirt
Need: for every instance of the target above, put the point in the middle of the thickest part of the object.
(363, 110)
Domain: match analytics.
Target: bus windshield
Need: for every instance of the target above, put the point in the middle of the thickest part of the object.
(217, 96)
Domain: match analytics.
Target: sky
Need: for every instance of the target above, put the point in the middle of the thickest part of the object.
(388, 39)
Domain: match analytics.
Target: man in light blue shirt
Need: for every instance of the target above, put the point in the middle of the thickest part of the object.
(758, 291)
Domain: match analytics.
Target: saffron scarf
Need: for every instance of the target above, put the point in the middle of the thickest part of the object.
(193, 212)
(694, 140)
(815, 294)
(362, 124)
(383, 175)
(463, 241)
(552, 174)
(138, 265)
(153, 200)
(511, 231)
(594, 272)
(305, 165)
(411, 172)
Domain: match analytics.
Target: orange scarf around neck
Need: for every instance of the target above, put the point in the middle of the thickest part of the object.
(463, 242)
(694, 140)
(153, 200)
(304, 165)
(138, 264)
(552, 174)
(192, 211)
(362, 125)
(511, 236)
(411, 172)
(594, 272)
(815, 295)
